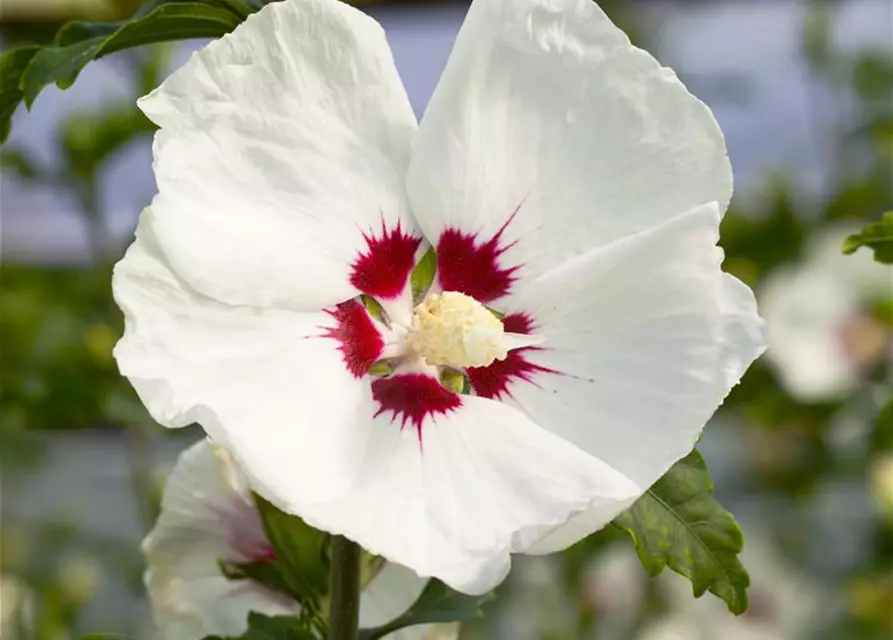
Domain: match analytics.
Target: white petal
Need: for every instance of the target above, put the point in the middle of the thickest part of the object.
(745, 335)
(205, 517)
(546, 111)
(281, 145)
(264, 383)
(646, 337)
(484, 482)
(390, 593)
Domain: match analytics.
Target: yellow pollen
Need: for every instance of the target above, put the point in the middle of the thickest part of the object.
(456, 330)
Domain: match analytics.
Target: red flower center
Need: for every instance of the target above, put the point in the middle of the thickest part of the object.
(466, 263)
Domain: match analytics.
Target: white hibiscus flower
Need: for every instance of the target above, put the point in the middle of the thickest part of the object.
(208, 517)
(563, 178)
(824, 336)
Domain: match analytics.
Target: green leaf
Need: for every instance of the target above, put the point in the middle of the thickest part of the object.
(453, 379)
(79, 30)
(261, 627)
(373, 307)
(817, 42)
(873, 75)
(12, 66)
(239, 8)
(877, 236)
(678, 523)
(63, 62)
(25, 71)
(265, 572)
(57, 64)
(423, 275)
(300, 552)
(438, 603)
(882, 310)
(17, 161)
(882, 438)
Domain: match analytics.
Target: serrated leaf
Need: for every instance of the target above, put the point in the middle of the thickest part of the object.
(12, 65)
(261, 627)
(678, 523)
(438, 603)
(300, 551)
(878, 236)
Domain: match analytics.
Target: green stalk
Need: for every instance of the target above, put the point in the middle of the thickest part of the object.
(344, 593)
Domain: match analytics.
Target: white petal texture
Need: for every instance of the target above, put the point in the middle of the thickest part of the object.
(644, 339)
(268, 384)
(483, 482)
(281, 145)
(207, 515)
(550, 134)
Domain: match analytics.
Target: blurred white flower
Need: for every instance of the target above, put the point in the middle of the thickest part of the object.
(823, 333)
(564, 178)
(207, 516)
(538, 604)
(784, 605)
(615, 584)
(16, 606)
(79, 575)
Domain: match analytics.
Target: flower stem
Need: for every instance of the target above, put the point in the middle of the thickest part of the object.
(344, 593)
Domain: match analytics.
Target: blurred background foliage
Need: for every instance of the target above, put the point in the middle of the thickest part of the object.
(810, 478)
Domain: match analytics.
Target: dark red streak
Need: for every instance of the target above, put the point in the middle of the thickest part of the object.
(412, 397)
(383, 269)
(493, 381)
(360, 342)
(468, 266)
(518, 323)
